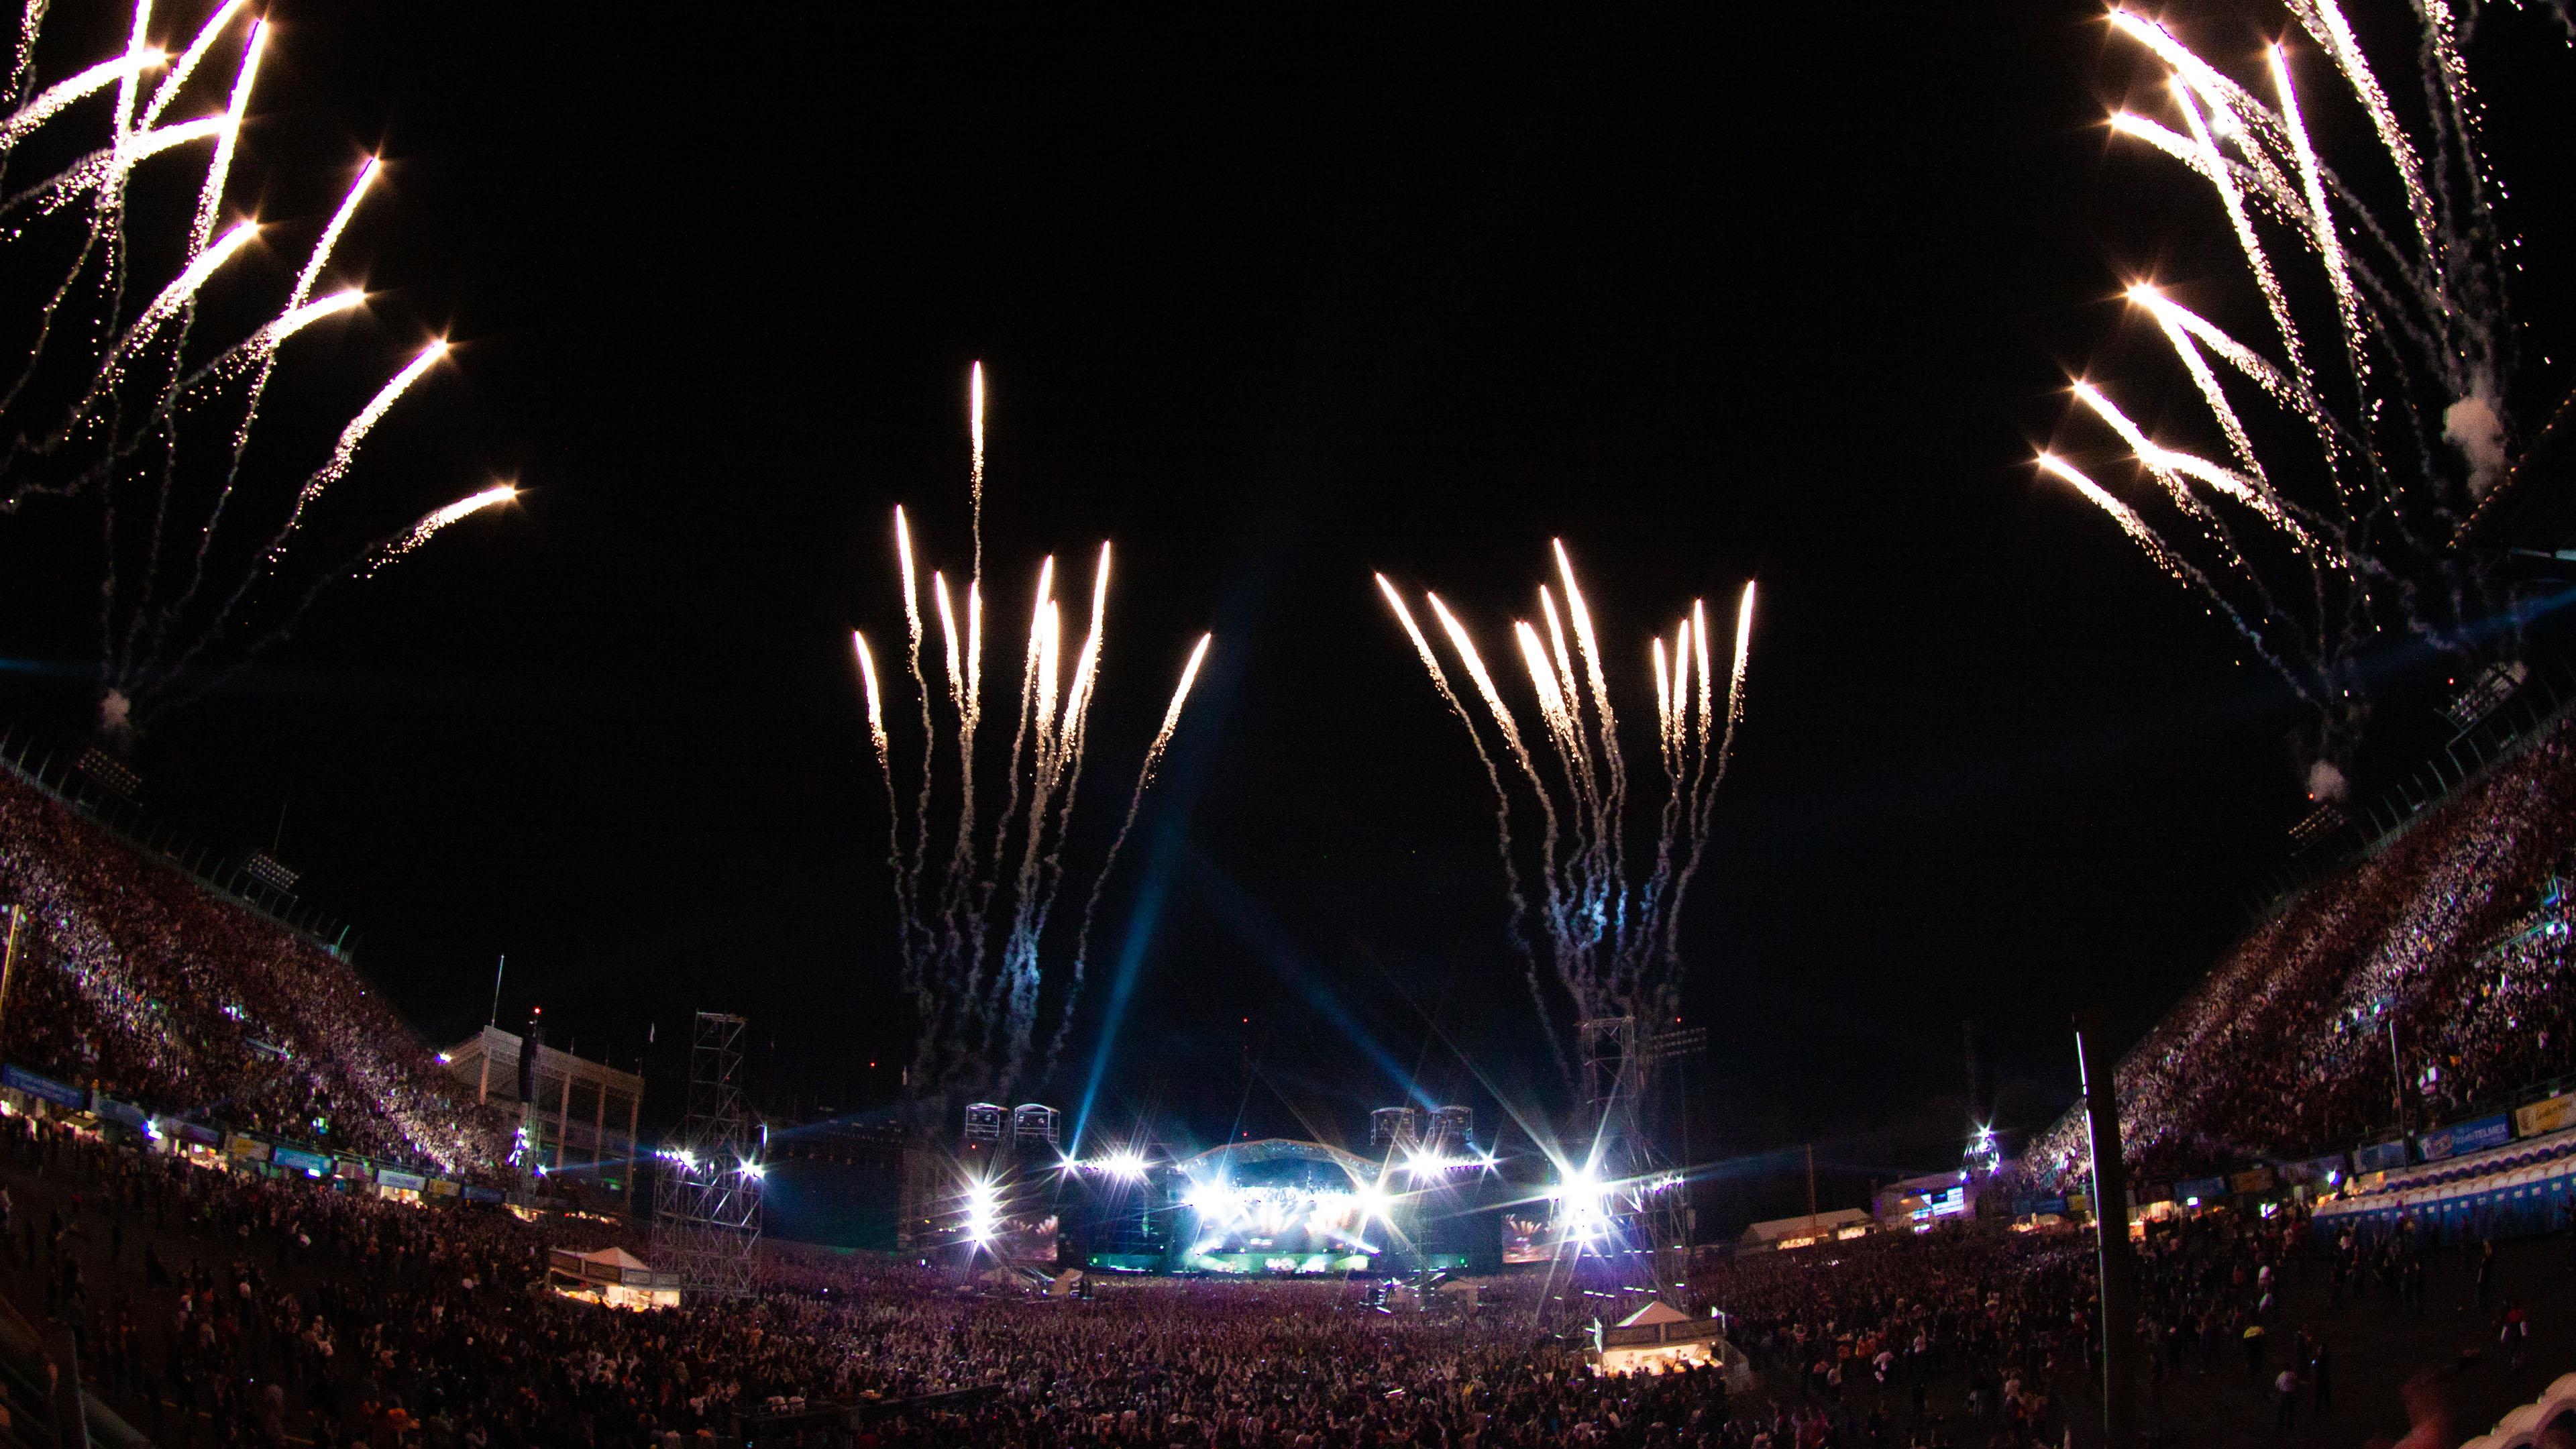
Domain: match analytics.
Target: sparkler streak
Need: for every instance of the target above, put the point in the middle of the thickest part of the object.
(975, 947)
(123, 418)
(1612, 944)
(2364, 497)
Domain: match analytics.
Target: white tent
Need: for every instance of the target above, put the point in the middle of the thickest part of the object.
(1660, 1337)
(613, 1276)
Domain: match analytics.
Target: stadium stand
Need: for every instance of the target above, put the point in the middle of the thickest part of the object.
(2456, 935)
(142, 983)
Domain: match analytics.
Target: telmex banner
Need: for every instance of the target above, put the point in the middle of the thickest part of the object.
(2471, 1136)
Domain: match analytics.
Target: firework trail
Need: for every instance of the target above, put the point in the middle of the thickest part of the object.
(1135, 803)
(2367, 427)
(1611, 943)
(974, 942)
(1519, 905)
(438, 519)
(1711, 766)
(114, 405)
(50, 102)
(1070, 750)
(368, 562)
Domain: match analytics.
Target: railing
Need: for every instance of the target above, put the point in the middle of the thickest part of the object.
(224, 875)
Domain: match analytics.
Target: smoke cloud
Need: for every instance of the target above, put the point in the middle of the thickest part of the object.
(2471, 425)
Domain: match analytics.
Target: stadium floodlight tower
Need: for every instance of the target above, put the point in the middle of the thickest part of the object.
(1037, 1130)
(1453, 1131)
(1395, 1129)
(1620, 1069)
(706, 1220)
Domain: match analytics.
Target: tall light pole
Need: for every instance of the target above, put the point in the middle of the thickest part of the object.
(9, 958)
(2111, 1231)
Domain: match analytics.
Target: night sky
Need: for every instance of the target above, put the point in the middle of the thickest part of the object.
(1274, 296)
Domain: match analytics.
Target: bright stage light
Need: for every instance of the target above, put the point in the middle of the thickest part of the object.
(1125, 1166)
(1216, 1200)
(1586, 1201)
(983, 1202)
(1374, 1202)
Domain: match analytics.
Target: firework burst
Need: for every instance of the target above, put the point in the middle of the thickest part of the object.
(127, 409)
(1603, 936)
(973, 931)
(2360, 424)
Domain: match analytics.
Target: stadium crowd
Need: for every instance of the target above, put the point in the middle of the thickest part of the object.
(2455, 937)
(259, 1310)
(147, 986)
(267, 1310)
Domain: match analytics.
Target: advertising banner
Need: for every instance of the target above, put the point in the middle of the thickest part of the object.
(62, 1094)
(2207, 1189)
(249, 1149)
(356, 1170)
(125, 1112)
(482, 1194)
(2553, 1115)
(2474, 1135)
(297, 1157)
(2379, 1157)
(2253, 1179)
(440, 1187)
(387, 1177)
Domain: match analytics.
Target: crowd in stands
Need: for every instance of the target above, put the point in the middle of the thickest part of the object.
(2455, 934)
(263, 1310)
(141, 982)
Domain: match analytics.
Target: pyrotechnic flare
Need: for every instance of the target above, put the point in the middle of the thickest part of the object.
(431, 523)
(121, 417)
(210, 198)
(173, 297)
(2370, 452)
(173, 80)
(22, 122)
(1612, 944)
(345, 452)
(876, 714)
(975, 946)
(1519, 905)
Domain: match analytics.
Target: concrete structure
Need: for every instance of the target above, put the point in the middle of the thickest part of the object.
(586, 1112)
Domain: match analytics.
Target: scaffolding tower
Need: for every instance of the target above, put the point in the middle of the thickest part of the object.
(1621, 1068)
(706, 1218)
